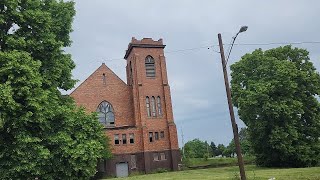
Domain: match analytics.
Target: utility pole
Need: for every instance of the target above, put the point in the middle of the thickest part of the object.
(233, 121)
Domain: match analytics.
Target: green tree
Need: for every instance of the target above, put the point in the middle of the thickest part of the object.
(230, 150)
(196, 149)
(42, 133)
(276, 93)
(220, 149)
(213, 148)
(244, 141)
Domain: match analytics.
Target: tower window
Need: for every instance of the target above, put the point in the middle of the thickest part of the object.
(106, 115)
(153, 106)
(156, 135)
(159, 106)
(148, 106)
(150, 67)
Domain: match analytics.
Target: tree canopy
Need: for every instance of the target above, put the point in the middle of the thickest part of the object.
(42, 133)
(197, 149)
(276, 94)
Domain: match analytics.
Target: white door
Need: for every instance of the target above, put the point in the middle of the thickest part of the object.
(122, 169)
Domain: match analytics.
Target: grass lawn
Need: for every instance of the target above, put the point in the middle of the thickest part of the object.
(221, 173)
(217, 162)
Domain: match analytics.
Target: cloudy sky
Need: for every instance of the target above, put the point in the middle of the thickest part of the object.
(103, 29)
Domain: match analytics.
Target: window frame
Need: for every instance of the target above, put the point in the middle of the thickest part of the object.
(124, 138)
(162, 156)
(131, 137)
(150, 136)
(162, 134)
(153, 107)
(148, 106)
(150, 67)
(156, 156)
(105, 110)
(159, 106)
(116, 139)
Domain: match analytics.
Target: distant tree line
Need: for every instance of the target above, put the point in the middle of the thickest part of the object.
(202, 149)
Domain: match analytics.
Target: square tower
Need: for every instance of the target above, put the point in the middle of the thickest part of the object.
(147, 76)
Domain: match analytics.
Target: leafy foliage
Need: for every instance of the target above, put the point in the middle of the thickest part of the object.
(220, 149)
(213, 148)
(276, 94)
(196, 149)
(230, 150)
(42, 133)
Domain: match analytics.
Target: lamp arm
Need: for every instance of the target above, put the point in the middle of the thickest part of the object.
(234, 39)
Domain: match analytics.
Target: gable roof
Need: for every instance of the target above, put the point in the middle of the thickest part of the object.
(103, 66)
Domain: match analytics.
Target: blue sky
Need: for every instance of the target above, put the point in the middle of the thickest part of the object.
(103, 29)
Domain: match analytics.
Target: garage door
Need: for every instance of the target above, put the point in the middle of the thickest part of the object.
(122, 169)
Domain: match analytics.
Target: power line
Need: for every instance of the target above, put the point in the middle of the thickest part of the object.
(236, 44)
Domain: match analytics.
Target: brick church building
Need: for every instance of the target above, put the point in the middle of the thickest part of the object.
(137, 115)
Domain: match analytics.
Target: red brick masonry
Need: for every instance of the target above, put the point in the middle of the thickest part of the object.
(129, 103)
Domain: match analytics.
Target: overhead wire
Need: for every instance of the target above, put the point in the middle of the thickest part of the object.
(235, 44)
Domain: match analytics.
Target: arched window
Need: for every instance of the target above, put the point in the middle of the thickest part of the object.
(153, 106)
(148, 106)
(106, 114)
(159, 106)
(150, 67)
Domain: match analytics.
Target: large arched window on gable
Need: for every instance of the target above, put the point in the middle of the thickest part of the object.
(150, 67)
(106, 113)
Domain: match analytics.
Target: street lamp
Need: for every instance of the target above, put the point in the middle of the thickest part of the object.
(242, 29)
(233, 121)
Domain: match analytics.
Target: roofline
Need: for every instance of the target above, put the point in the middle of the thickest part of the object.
(131, 46)
(103, 64)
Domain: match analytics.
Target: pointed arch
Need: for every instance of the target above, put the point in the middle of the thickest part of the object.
(159, 106)
(150, 66)
(153, 107)
(106, 113)
(148, 106)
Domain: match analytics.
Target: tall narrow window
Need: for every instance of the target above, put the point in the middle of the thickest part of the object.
(106, 115)
(159, 106)
(131, 136)
(162, 134)
(151, 136)
(156, 135)
(124, 139)
(116, 139)
(150, 67)
(148, 106)
(153, 106)
(104, 79)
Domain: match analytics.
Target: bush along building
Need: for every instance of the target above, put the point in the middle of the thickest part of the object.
(137, 115)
